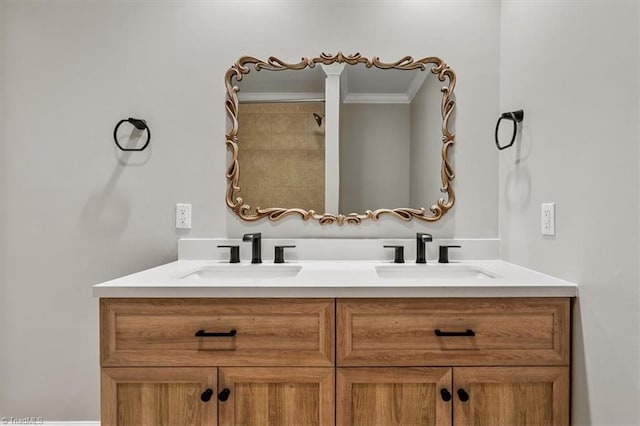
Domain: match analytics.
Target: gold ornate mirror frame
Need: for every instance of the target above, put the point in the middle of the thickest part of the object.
(243, 209)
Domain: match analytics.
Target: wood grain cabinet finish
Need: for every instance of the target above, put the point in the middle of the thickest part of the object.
(460, 396)
(404, 332)
(393, 396)
(260, 332)
(531, 396)
(158, 396)
(277, 396)
(500, 361)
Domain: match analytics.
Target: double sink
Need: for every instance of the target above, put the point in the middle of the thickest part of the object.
(451, 271)
(235, 270)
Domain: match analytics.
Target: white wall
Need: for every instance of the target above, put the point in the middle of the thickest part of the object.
(573, 67)
(79, 212)
(374, 157)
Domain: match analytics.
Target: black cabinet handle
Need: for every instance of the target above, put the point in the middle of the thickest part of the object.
(224, 394)
(206, 395)
(467, 333)
(445, 394)
(202, 333)
(463, 395)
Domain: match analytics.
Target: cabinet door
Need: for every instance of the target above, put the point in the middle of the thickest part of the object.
(511, 396)
(394, 396)
(279, 396)
(159, 396)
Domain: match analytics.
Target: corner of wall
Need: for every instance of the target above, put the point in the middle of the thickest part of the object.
(2, 197)
(562, 158)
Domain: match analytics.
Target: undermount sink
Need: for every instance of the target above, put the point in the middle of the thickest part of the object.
(236, 271)
(430, 271)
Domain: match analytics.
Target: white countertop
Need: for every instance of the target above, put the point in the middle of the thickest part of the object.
(337, 279)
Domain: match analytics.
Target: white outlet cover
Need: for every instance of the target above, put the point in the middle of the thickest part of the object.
(183, 216)
(548, 219)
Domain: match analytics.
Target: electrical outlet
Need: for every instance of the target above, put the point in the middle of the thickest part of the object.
(548, 217)
(183, 216)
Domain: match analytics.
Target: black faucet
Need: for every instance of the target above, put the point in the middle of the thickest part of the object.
(256, 246)
(444, 253)
(421, 239)
(398, 253)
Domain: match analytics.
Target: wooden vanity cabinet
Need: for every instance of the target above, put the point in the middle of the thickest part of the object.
(502, 361)
(210, 362)
(335, 361)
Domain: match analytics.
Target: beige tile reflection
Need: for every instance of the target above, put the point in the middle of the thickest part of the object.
(316, 140)
(281, 156)
(315, 168)
(289, 141)
(289, 123)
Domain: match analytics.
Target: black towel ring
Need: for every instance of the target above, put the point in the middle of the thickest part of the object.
(138, 124)
(516, 117)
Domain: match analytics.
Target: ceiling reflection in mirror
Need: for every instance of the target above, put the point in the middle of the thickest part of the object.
(340, 145)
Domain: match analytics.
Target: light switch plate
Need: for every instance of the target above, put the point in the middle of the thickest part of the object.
(548, 219)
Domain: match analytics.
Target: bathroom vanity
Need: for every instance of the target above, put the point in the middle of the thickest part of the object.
(339, 339)
(335, 342)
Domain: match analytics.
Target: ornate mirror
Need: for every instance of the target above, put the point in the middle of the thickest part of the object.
(340, 138)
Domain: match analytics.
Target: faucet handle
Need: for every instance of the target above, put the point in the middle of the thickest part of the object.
(234, 253)
(398, 253)
(444, 253)
(279, 254)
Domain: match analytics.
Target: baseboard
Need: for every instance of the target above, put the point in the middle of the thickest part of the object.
(40, 421)
(71, 423)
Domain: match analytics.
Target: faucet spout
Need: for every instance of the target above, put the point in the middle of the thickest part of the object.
(421, 252)
(256, 246)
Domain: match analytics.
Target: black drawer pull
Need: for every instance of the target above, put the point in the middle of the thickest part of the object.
(463, 395)
(206, 395)
(467, 333)
(202, 333)
(445, 394)
(224, 394)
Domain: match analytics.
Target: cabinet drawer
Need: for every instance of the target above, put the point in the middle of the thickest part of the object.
(418, 332)
(237, 332)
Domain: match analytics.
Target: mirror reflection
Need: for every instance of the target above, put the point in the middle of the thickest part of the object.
(350, 139)
(282, 149)
(390, 139)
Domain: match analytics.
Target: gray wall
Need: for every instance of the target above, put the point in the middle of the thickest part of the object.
(374, 157)
(78, 212)
(574, 70)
